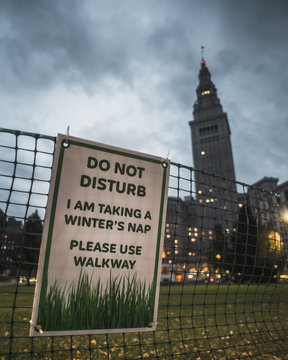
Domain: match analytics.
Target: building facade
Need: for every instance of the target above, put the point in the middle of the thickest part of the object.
(188, 242)
(212, 154)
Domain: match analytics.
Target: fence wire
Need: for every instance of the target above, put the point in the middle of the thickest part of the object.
(223, 291)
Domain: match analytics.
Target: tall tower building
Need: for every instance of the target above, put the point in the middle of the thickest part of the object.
(210, 130)
(212, 153)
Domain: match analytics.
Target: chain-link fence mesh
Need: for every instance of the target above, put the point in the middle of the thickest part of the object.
(223, 291)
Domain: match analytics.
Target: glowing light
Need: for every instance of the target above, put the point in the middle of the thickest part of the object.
(200, 192)
(203, 153)
(240, 205)
(285, 216)
(218, 256)
(275, 240)
(163, 255)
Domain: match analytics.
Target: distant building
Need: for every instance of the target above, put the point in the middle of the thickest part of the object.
(271, 196)
(211, 210)
(210, 133)
(191, 221)
(212, 153)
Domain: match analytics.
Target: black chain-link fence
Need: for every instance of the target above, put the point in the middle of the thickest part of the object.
(223, 288)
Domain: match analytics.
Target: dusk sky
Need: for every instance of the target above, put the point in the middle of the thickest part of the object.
(125, 73)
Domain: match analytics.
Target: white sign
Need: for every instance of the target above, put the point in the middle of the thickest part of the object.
(102, 241)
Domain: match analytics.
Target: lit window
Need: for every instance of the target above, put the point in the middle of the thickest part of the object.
(195, 229)
(195, 234)
(168, 236)
(210, 232)
(176, 252)
(207, 200)
(200, 201)
(203, 153)
(170, 261)
(240, 205)
(212, 200)
(218, 256)
(200, 192)
(206, 92)
(210, 190)
(176, 241)
(193, 239)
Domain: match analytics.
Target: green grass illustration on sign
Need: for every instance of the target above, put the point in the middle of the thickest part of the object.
(120, 303)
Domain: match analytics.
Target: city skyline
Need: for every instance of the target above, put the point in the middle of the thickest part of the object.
(128, 77)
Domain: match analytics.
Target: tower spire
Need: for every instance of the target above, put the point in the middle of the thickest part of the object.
(202, 53)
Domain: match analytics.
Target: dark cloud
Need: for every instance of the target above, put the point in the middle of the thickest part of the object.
(151, 49)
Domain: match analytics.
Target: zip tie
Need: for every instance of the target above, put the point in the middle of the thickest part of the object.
(167, 155)
(36, 327)
(65, 142)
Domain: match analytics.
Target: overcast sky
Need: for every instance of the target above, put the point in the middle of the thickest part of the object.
(125, 73)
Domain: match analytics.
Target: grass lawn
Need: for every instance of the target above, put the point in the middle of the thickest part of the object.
(194, 322)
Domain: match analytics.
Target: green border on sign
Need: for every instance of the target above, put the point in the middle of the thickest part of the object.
(54, 206)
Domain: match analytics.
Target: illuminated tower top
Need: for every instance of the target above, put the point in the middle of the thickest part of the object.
(207, 102)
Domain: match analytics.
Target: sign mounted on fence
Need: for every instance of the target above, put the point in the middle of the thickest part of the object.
(101, 248)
